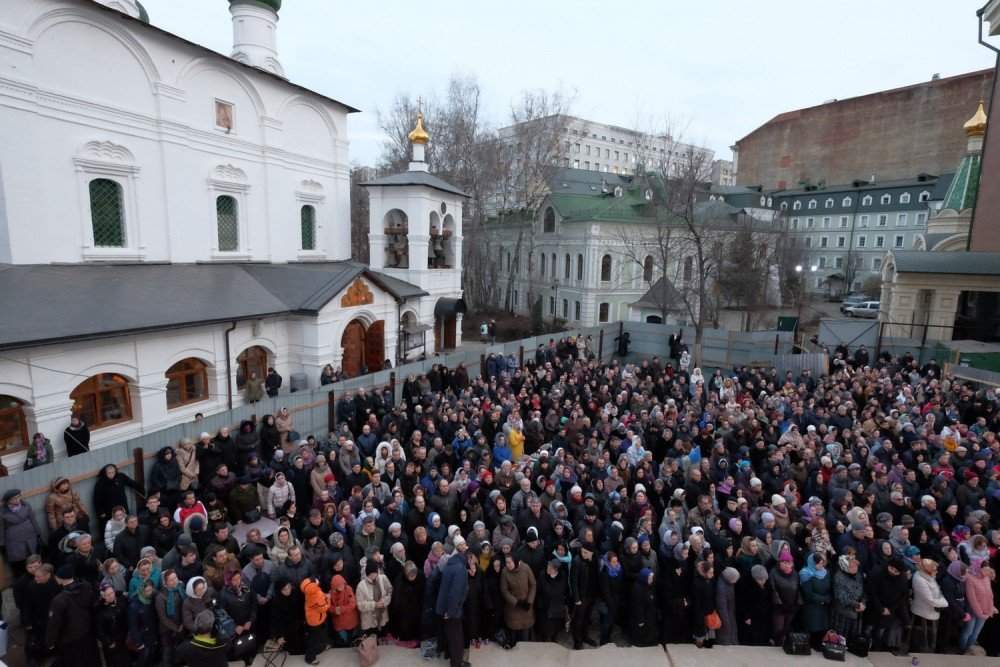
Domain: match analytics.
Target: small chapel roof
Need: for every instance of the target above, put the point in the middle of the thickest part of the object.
(417, 178)
(969, 263)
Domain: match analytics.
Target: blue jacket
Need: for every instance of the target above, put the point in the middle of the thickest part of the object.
(454, 586)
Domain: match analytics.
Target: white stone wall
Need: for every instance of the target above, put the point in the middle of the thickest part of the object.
(87, 93)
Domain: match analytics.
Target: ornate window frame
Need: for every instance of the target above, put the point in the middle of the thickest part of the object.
(226, 179)
(106, 159)
(310, 193)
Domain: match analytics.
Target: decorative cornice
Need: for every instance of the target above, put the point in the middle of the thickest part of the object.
(229, 173)
(16, 42)
(106, 151)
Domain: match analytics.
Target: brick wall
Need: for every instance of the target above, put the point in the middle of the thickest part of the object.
(892, 134)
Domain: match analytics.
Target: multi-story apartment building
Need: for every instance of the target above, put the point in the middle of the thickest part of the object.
(845, 231)
(612, 149)
(723, 172)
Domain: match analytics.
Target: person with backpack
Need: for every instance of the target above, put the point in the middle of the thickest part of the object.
(317, 604)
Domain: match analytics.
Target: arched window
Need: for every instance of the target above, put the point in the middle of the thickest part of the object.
(396, 226)
(606, 269)
(867, 200)
(13, 425)
(107, 213)
(796, 206)
(187, 382)
(784, 206)
(904, 198)
(544, 260)
(647, 269)
(812, 204)
(567, 267)
(508, 262)
(579, 268)
(688, 268)
(886, 199)
(553, 265)
(845, 202)
(602, 312)
(228, 223)
(924, 196)
(102, 400)
(251, 360)
(307, 218)
(828, 203)
(549, 222)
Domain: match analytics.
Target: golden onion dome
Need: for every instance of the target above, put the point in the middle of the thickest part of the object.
(976, 126)
(419, 135)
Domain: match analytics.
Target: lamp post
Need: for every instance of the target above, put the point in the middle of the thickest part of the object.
(799, 270)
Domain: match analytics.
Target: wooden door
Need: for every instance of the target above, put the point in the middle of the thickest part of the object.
(438, 334)
(449, 332)
(353, 342)
(375, 346)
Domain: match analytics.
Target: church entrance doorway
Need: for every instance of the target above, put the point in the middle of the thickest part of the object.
(364, 348)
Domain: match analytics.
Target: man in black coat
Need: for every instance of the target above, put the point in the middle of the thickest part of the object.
(272, 382)
(77, 437)
(583, 592)
(38, 596)
(451, 601)
(70, 631)
(129, 543)
(203, 650)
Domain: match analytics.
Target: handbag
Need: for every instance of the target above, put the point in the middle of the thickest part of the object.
(859, 646)
(713, 621)
(368, 650)
(796, 643)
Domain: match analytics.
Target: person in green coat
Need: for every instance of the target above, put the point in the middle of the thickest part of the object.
(816, 587)
(39, 452)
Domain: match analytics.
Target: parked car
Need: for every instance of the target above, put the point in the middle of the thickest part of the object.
(851, 301)
(867, 309)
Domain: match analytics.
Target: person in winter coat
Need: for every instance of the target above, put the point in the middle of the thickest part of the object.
(247, 443)
(111, 625)
(703, 603)
(450, 605)
(288, 616)
(19, 533)
(848, 596)
(725, 602)
(888, 603)
(254, 390)
(317, 604)
(143, 632)
(61, 498)
(644, 628)
(373, 595)
(198, 596)
(517, 589)
(927, 600)
(280, 493)
(76, 437)
(785, 597)
(165, 477)
(979, 596)
(187, 462)
(110, 491)
(203, 650)
(70, 631)
(754, 608)
(343, 611)
(270, 438)
(169, 603)
(39, 452)
(584, 586)
(816, 589)
(553, 599)
(954, 618)
(611, 587)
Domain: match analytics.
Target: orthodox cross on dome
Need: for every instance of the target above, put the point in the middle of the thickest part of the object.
(418, 140)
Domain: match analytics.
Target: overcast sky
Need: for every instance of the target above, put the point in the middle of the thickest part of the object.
(714, 70)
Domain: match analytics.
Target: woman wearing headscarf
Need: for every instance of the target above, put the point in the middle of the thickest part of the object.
(816, 588)
(703, 603)
(143, 631)
(676, 581)
(979, 595)
(725, 602)
(889, 595)
(644, 627)
(848, 596)
(954, 618)
(288, 617)
(39, 452)
(927, 600)
(754, 609)
(785, 596)
(517, 590)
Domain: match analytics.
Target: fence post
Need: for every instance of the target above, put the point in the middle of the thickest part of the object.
(331, 412)
(777, 337)
(600, 347)
(138, 467)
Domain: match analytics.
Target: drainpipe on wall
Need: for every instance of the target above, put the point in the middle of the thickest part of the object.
(229, 367)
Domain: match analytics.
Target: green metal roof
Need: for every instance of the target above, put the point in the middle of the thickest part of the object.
(964, 187)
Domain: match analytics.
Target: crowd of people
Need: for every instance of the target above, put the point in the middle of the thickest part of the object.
(567, 500)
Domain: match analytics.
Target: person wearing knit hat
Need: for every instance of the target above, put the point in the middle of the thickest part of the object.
(758, 573)
(778, 499)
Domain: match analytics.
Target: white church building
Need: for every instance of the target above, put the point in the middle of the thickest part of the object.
(174, 220)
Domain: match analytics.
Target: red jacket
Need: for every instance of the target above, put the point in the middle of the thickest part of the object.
(348, 618)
